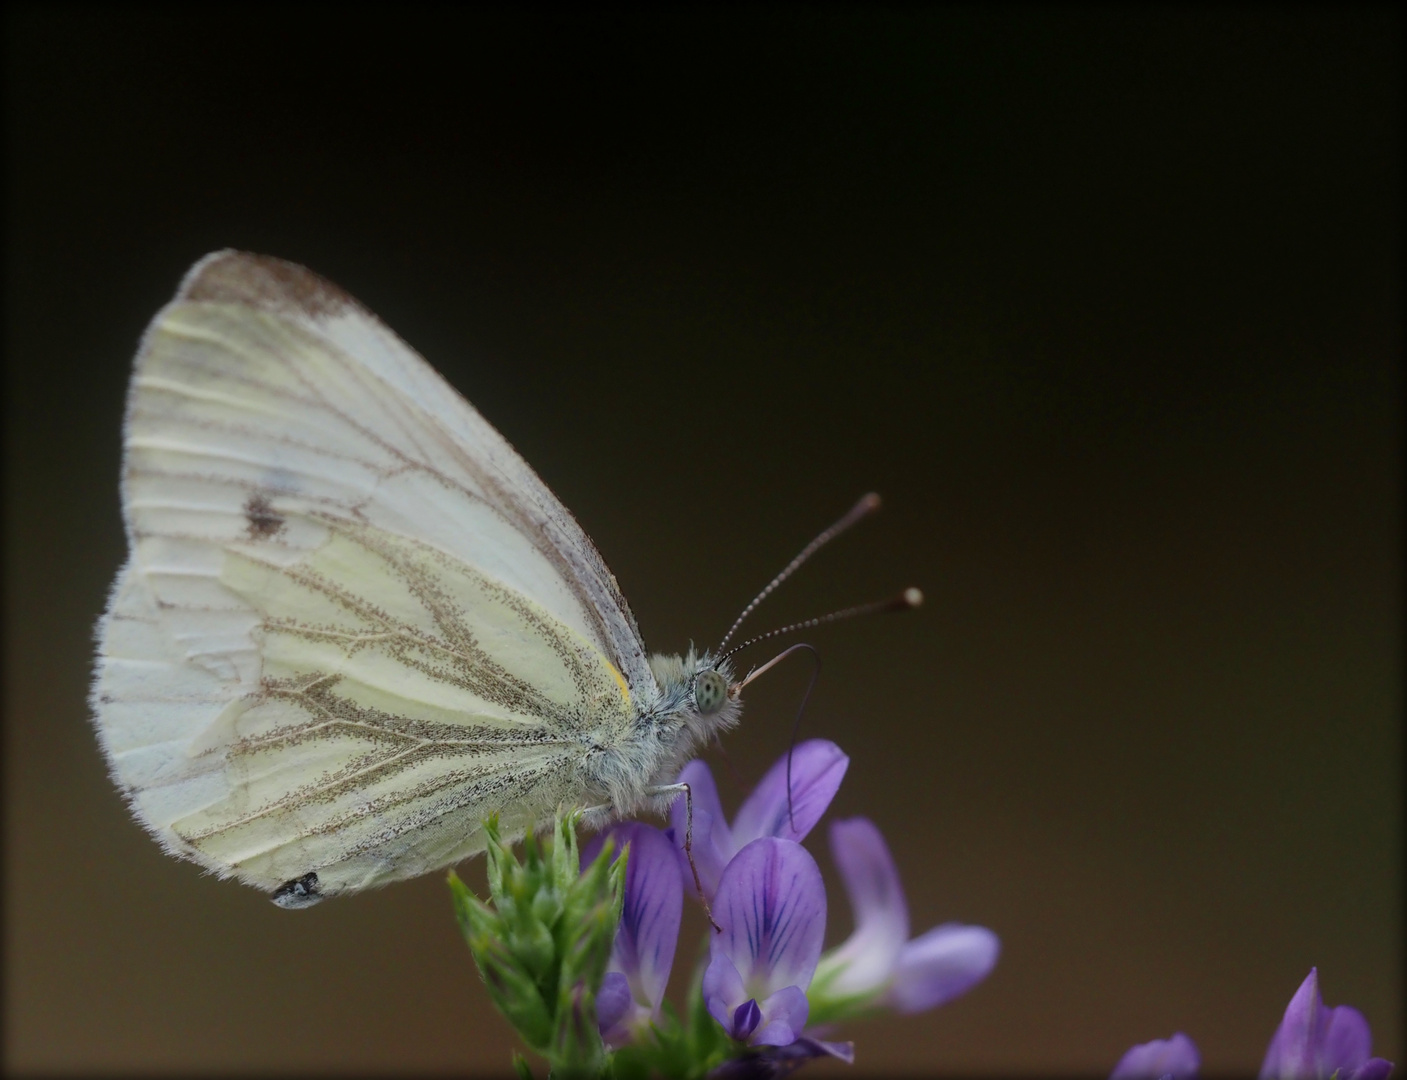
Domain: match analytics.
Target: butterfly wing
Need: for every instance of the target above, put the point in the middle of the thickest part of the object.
(353, 621)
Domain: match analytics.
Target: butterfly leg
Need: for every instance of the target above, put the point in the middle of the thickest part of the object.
(604, 808)
(674, 789)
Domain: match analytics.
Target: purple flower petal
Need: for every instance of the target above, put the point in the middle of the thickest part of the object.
(868, 957)
(723, 991)
(941, 964)
(771, 905)
(845, 1051)
(704, 793)
(1176, 1057)
(613, 1002)
(817, 768)
(1347, 1041)
(785, 1013)
(1316, 1041)
(1292, 1048)
(713, 843)
(649, 922)
(1372, 1069)
(643, 953)
(746, 1017)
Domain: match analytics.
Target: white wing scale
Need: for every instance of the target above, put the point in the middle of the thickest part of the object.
(353, 621)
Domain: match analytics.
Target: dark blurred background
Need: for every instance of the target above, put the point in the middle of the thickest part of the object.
(1106, 306)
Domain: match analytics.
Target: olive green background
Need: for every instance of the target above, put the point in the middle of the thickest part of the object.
(1105, 305)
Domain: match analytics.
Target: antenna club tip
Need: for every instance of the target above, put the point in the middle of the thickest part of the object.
(870, 502)
(913, 597)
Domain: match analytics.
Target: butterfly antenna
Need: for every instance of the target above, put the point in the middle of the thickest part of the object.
(909, 598)
(862, 509)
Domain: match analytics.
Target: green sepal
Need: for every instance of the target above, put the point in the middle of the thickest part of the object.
(543, 940)
(511, 986)
(663, 1050)
(829, 1008)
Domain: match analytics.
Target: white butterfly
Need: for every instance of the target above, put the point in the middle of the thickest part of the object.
(353, 622)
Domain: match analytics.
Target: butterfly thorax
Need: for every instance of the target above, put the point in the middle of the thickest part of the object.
(687, 713)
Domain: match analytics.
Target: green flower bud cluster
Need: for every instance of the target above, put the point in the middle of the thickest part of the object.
(543, 940)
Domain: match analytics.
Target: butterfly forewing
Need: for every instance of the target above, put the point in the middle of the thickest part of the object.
(354, 622)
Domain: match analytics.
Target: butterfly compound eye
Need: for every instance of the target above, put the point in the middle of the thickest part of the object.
(710, 691)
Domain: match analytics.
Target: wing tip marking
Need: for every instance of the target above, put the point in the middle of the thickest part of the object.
(262, 281)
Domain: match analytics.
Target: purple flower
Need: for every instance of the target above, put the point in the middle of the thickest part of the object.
(1176, 1058)
(817, 768)
(643, 953)
(777, 1061)
(771, 907)
(1315, 1041)
(878, 964)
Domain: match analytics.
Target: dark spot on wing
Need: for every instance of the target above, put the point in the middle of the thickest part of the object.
(237, 277)
(299, 893)
(264, 520)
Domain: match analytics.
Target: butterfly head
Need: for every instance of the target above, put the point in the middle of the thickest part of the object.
(698, 690)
